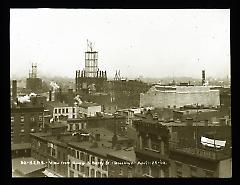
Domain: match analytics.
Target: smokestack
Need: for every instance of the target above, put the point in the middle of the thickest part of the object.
(14, 90)
(203, 77)
(50, 95)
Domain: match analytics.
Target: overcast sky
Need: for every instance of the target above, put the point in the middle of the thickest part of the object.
(148, 43)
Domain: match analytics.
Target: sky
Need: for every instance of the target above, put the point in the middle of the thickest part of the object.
(152, 43)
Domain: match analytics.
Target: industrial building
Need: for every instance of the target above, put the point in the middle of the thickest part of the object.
(34, 83)
(126, 93)
(200, 151)
(26, 117)
(176, 96)
(90, 79)
(159, 96)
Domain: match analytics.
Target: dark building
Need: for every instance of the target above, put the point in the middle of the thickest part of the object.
(192, 156)
(90, 79)
(50, 147)
(103, 99)
(21, 150)
(126, 93)
(122, 163)
(64, 96)
(34, 83)
(75, 154)
(199, 114)
(115, 123)
(25, 118)
(14, 90)
(152, 150)
(225, 101)
(203, 77)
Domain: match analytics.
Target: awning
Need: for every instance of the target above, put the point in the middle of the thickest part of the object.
(212, 143)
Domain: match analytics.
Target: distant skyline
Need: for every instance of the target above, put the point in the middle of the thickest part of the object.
(153, 43)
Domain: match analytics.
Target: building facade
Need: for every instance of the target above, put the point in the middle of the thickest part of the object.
(177, 96)
(25, 120)
(87, 109)
(152, 150)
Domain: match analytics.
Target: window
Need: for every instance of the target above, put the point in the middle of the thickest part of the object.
(73, 110)
(66, 110)
(82, 156)
(59, 111)
(32, 119)
(55, 110)
(104, 166)
(87, 171)
(69, 163)
(63, 111)
(92, 159)
(76, 127)
(98, 174)
(73, 165)
(179, 169)
(71, 173)
(78, 167)
(104, 175)
(77, 156)
(82, 168)
(53, 152)
(193, 171)
(73, 116)
(40, 118)
(120, 172)
(22, 119)
(87, 158)
(92, 173)
(99, 163)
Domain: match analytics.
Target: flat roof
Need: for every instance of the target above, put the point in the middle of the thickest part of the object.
(191, 111)
(20, 146)
(57, 124)
(56, 104)
(104, 147)
(128, 155)
(28, 167)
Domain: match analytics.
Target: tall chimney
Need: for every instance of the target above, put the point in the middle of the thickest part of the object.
(50, 95)
(14, 90)
(203, 77)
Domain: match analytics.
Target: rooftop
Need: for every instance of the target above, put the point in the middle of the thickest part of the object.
(88, 104)
(193, 111)
(56, 104)
(28, 167)
(57, 124)
(20, 146)
(128, 155)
